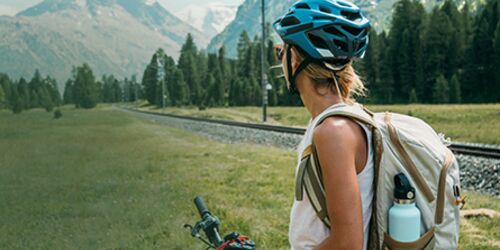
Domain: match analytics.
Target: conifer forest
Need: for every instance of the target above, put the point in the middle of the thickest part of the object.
(448, 55)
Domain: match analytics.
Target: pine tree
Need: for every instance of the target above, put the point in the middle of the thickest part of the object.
(209, 98)
(216, 89)
(85, 89)
(467, 62)
(170, 69)
(385, 81)
(160, 93)
(3, 98)
(466, 22)
(272, 95)
(36, 81)
(243, 48)
(45, 99)
(406, 66)
(180, 89)
(455, 91)
(225, 75)
(441, 90)
(405, 47)
(134, 89)
(105, 89)
(116, 90)
(219, 89)
(99, 87)
(15, 101)
(272, 74)
(149, 81)
(437, 39)
(370, 67)
(35, 99)
(235, 94)
(51, 85)
(188, 61)
(413, 96)
(481, 69)
(6, 85)
(108, 89)
(24, 96)
(455, 50)
(496, 60)
(254, 95)
(68, 92)
(249, 64)
(223, 64)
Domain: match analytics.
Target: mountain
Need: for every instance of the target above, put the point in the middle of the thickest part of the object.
(248, 18)
(113, 36)
(210, 18)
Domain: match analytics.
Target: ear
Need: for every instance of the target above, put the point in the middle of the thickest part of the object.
(295, 59)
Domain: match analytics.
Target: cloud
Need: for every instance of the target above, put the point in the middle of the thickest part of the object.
(7, 10)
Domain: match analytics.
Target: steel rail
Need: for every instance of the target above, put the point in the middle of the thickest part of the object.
(458, 148)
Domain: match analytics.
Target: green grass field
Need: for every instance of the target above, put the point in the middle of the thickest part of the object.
(466, 123)
(102, 179)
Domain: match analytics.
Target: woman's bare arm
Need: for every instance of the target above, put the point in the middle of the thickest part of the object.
(337, 140)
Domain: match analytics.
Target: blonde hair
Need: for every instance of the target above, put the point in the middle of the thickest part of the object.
(345, 82)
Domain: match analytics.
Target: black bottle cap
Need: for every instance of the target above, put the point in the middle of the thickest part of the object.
(403, 189)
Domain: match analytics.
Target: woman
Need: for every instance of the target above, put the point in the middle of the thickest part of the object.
(321, 38)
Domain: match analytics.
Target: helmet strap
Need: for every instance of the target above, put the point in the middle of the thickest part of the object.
(292, 76)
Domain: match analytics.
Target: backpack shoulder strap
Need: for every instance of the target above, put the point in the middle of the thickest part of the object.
(355, 111)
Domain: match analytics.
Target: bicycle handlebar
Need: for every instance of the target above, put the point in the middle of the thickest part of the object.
(210, 225)
(201, 206)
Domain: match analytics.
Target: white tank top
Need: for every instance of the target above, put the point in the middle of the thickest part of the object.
(306, 229)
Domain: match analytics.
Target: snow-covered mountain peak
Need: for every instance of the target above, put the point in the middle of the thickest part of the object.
(150, 2)
(210, 18)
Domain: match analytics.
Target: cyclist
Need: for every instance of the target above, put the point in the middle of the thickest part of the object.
(321, 40)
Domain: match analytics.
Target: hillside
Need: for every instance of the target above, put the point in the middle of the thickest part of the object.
(113, 36)
(248, 18)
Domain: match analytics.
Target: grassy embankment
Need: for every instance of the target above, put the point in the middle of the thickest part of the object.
(104, 179)
(467, 123)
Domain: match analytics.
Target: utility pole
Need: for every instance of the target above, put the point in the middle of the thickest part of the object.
(123, 93)
(263, 76)
(161, 78)
(136, 99)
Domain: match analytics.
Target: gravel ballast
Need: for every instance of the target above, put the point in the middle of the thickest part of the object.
(476, 173)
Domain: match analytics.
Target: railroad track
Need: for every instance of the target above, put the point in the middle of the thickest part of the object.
(458, 148)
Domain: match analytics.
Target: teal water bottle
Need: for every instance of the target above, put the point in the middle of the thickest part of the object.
(404, 216)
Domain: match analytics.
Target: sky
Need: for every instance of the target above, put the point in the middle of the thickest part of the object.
(11, 7)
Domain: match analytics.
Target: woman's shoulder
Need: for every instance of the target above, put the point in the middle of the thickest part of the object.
(341, 140)
(338, 128)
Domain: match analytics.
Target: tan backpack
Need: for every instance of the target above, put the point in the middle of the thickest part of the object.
(402, 144)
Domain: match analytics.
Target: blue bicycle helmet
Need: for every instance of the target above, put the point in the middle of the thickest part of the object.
(331, 32)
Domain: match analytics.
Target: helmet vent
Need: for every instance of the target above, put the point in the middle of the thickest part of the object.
(361, 45)
(289, 21)
(341, 45)
(317, 41)
(353, 31)
(325, 9)
(302, 6)
(323, 18)
(350, 15)
(334, 31)
(343, 4)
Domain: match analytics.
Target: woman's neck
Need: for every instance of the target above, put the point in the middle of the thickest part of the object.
(316, 101)
(320, 103)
